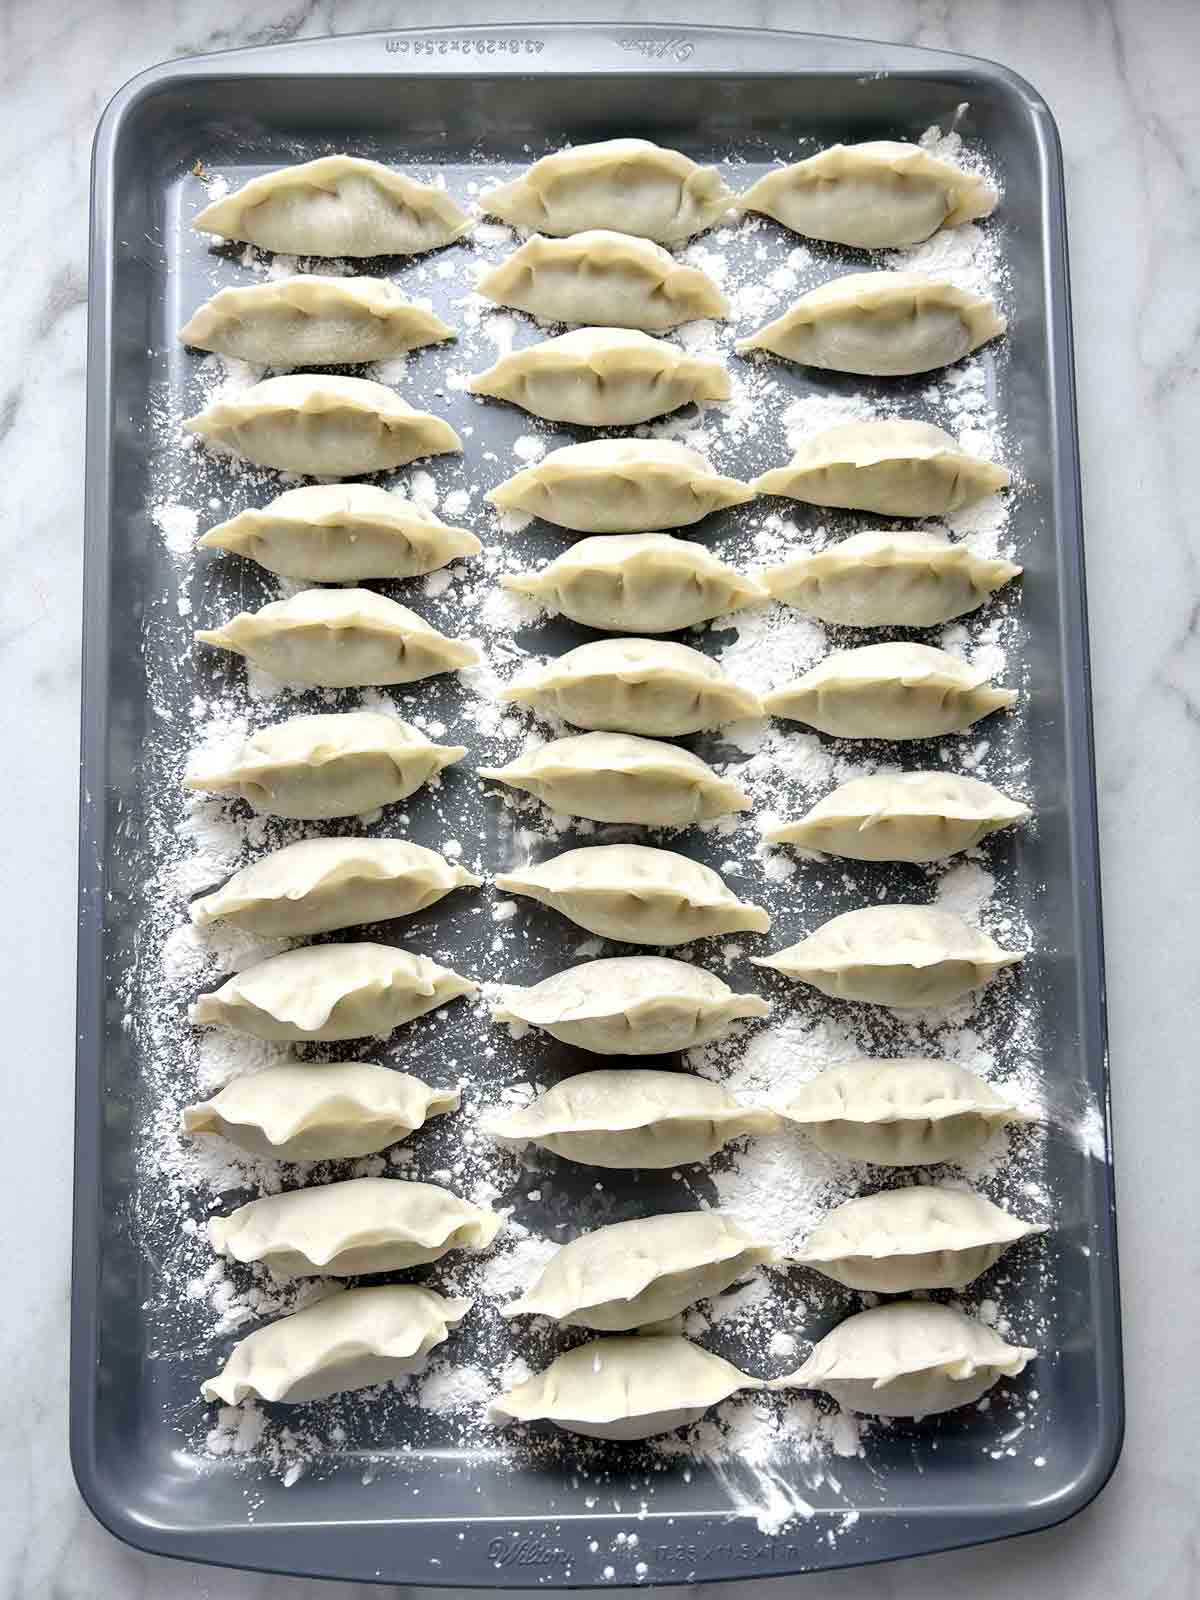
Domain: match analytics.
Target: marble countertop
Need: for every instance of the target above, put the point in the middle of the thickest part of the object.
(1120, 78)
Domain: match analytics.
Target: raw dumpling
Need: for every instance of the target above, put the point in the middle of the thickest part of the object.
(617, 777)
(634, 1273)
(325, 426)
(881, 324)
(337, 206)
(899, 469)
(620, 486)
(897, 578)
(901, 956)
(889, 691)
(349, 1340)
(624, 1388)
(341, 532)
(645, 581)
(602, 378)
(317, 885)
(303, 1112)
(882, 193)
(926, 1237)
(605, 279)
(331, 991)
(341, 764)
(630, 1006)
(343, 1229)
(312, 321)
(630, 185)
(907, 1113)
(912, 1358)
(903, 816)
(340, 639)
(649, 686)
(636, 895)
(630, 1117)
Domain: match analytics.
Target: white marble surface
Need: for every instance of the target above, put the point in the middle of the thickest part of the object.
(1120, 77)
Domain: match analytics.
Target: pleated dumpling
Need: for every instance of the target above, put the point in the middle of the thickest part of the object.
(880, 194)
(324, 426)
(604, 279)
(629, 1117)
(896, 468)
(330, 991)
(630, 1006)
(311, 321)
(602, 378)
(633, 1273)
(880, 324)
(629, 185)
(337, 206)
(338, 764)
(889, 691)
(647, 582)
(647, 686)
(636, 895)
(317, 885)
(910, 1358)
(360, 1225)
(903, 816)
(901, 578)
(894, 955)
(906, 1113)
(624, 1388)
(340, 639)
(349, 1340)
(618, 777)
(299, 1111)
(620, 486)
(340, 533)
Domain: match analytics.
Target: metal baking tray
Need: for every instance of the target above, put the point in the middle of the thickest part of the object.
(440, 98)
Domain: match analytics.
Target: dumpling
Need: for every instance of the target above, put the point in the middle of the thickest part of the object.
(624, 1388)
(874, 195)
(620, 486)
(312, 321)
(911, 1358)
(325, 426)
(340, 764)
(881, 324)
(605, 279)
(889, 691)
(897, 578)
(630, 1006)
(340, 639)
(317, 885)
(636, 895)
(900, 956)
(303, 1112)
(617, 777)
(899, 469)
(331, 991)
(634, 1273)
(907, 1113)
(629, 1117)
(360, 1225)
(903, 816)
(337, 206)
(349, 1340)
(602, 378)
(649, 686)
(630, 185)
(645, 581)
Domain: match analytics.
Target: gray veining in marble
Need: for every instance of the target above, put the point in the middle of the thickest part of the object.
(1121, 77)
